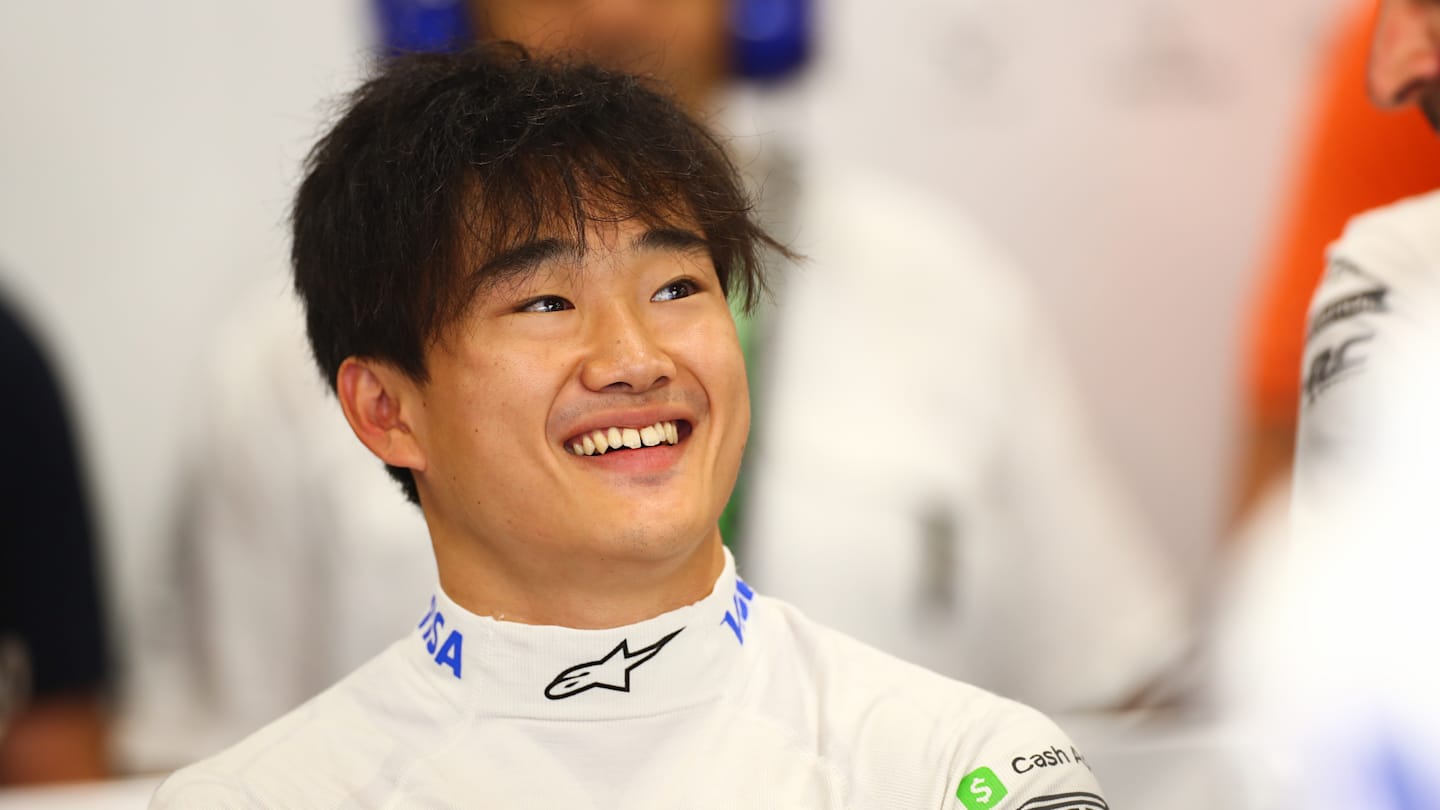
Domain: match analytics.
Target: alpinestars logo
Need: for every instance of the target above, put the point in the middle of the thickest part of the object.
(610, 672)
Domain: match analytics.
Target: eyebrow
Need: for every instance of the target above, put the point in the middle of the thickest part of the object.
(530, 256)
(678, 239)
(527, 257)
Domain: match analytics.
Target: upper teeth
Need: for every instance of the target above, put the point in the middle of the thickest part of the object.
(599, 442)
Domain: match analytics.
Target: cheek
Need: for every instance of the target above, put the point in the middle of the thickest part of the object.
(713, 351)
(497, 400)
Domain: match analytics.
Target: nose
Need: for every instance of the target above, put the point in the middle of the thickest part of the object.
(1404, 56)
(623, 354)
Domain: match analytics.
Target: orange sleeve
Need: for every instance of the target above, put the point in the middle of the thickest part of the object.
(1356, 158)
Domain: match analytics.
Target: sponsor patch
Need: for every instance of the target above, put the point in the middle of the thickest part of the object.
(449, 653)
(1346, 293)
(1338, 329)
(1049, 758)
(1066, 801)
(1329, 365)
(736, 617)
(980, 789)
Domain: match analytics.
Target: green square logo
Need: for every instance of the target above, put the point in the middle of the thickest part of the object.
(980, 789)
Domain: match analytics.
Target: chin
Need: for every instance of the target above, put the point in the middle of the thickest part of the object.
(647, 540)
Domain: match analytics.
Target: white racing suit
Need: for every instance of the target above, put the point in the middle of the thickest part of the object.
(1349, 663)
(735, 701)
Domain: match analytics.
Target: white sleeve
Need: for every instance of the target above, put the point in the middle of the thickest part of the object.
(1369, 373)
(1026, 763)
(1344, 684)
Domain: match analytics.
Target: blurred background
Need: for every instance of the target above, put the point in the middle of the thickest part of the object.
(1132, 158)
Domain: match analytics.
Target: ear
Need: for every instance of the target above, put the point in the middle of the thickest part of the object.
(380, 404)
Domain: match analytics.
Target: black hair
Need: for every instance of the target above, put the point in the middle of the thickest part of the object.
(438, 160)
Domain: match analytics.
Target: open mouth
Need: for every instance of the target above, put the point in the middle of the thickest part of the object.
(615, 439)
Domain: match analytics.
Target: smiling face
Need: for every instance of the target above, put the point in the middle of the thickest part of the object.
(504, 258)
(633, 339)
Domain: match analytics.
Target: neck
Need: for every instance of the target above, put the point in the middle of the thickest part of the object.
(583, 590)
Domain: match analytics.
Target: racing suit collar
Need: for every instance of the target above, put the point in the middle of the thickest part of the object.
(681, 658)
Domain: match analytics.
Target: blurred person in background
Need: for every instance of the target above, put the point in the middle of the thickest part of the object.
(54, 669)
(1355, 157)
(1340, 658)
(965, 519)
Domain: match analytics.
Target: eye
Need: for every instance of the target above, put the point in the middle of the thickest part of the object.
(679, 288)
(545, 303)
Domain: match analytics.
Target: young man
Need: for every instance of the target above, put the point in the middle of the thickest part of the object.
(1001, 551)
(515, 275)
(1374, 324)
(1344, 664)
